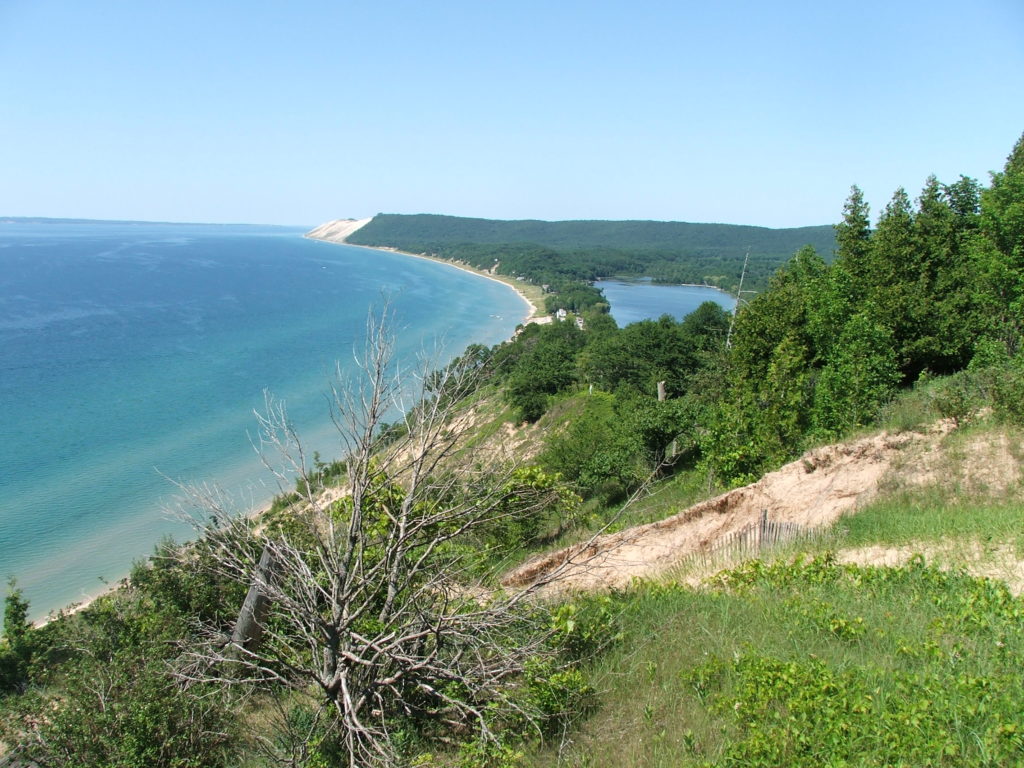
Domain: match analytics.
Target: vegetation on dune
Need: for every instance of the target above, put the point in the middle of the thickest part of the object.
(379, 634)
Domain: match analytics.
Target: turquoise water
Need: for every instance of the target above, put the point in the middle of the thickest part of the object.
(635, 300)
(133, 354)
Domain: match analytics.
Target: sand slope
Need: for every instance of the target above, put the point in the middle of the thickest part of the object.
(338, 230)
(815, 490)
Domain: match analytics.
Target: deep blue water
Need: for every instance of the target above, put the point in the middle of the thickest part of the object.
(635, 300)
(134, 353)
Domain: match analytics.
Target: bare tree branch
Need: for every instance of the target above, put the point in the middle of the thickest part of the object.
(373, 599)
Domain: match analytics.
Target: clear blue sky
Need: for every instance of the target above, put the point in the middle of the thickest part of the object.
(295, 113)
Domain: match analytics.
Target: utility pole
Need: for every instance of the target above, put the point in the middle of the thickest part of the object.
(739, 298)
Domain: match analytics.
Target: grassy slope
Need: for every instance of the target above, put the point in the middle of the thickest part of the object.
(911, 665)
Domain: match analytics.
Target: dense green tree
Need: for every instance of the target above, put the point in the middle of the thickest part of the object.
(825, 302)
(706, 327)
(641, 355)
(762, 324)
(784, 399)
(17, 642)
(941, 299)
(598, 324)
(853, 243)
(596, 452)
(861, 376)
(997, 253)
(729, 447)
(663, 429)
(545, 365)
(889, 284)
(778, 340)
(1002, 207)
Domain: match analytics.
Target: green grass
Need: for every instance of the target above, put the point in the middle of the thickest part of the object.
(932, 515)
(810, 664)
(911, 409)
(665, 499)
(957, 504)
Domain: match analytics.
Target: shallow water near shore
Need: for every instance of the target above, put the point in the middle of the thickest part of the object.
(135, 354)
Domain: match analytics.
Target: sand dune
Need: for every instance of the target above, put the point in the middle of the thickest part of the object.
(338, 230)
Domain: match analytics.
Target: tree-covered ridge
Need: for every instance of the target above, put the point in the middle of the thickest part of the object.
(668, 236)
(560, 252)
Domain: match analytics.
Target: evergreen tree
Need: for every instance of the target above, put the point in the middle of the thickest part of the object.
(891, 281)
(784, 401)
(826, 304)
(853, 244)
(939, 307)
(859, 379)
(997, 253)
(777, 314)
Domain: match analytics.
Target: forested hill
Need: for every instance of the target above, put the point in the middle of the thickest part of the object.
(400, 230)
(567, 254)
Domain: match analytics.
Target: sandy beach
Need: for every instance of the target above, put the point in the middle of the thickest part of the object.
(333, 232)
(337, 231)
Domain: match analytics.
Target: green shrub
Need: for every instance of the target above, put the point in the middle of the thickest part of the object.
(129, 712)
(1008, 394)
(585, 627)
(17, 645)
(945, 691)
(557, 696)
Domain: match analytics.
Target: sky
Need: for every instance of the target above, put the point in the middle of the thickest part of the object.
(736, 111)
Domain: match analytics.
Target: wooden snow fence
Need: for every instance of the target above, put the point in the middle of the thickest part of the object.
(748, 542)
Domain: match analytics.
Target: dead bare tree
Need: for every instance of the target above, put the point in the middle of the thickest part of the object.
(367, 599)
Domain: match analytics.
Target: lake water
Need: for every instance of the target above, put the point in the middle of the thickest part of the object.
(134, 353)
(635, 300)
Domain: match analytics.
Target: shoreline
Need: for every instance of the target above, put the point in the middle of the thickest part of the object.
(110, 588)
(337, 235)
(73, 608)
(667, 285)
(256, 510)
(533, 312)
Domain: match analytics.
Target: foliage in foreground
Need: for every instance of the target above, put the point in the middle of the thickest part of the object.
(99, 688)
(812, 662)
(945, 692)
